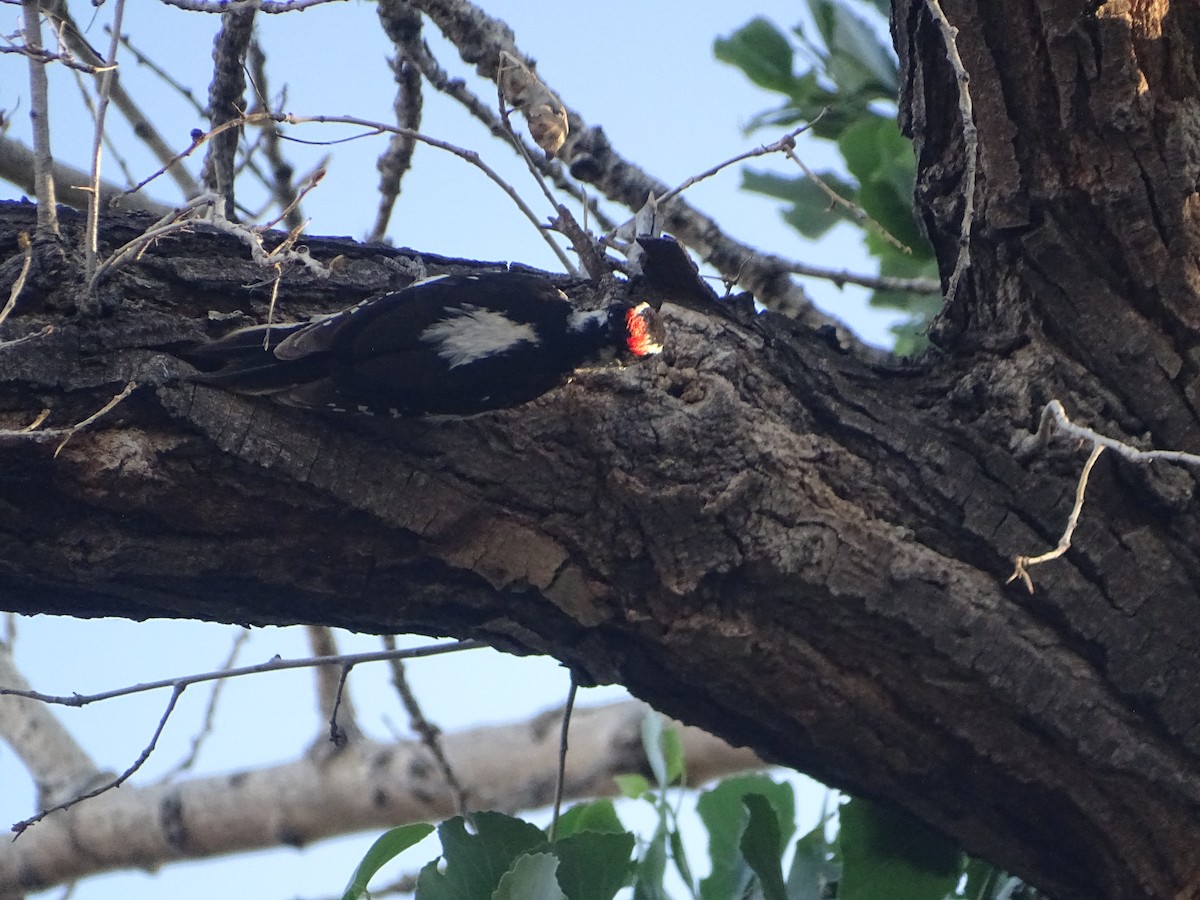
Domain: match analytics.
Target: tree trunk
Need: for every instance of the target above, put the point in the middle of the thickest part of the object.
(765, 531)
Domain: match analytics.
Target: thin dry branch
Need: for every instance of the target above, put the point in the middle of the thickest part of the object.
(26, 247)
(107, 78)
(469, 156)
(332, 698)
(39, 97)
(481, 38)
(1054, 418)
(20, 827)
(560, 777)
(430, 734)
(856, 212)
(1023, 563)
(970, 146)
(281, 183)
(455, 88)
(58, 763)
(368, 785)
(276, 664)
(71, 34)
(179, 685)
(210, 711)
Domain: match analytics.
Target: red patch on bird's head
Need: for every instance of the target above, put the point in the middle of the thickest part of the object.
(644, 330)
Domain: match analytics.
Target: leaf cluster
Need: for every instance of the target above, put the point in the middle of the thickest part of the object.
(839, 73)
(749, 820)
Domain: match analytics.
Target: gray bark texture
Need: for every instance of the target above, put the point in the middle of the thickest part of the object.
(765, 531)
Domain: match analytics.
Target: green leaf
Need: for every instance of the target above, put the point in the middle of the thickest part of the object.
(632, 786)
(672, 748)
(651, 868)
(387, 847)
(660, 747)
(532, 877)
(762, 52)
(887, 853)
(859, 62)
(725, 817)
(596, 815)
(476, 862)
(813, 870)
(762, 847)
(679, 856)
(593, 865)
(812, 213)
(882, 160)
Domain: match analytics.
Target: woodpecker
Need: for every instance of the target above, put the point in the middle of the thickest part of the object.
(454, 345)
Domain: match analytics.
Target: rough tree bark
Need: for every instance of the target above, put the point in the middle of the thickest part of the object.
(763, 532)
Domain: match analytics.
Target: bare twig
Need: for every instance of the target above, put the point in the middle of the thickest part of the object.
(1054, 417)
(431, 735)
(842, 277)
(280, 183)
(970, 146)
(210, 710)
(561, 777)
(856, 212)
(276, 664)
(547, 119)
(104, 410)
(39, 114)
(26, 247)
(179, 685)
(162, 74)
(32, 432)
(175, 220)
(1022, 563)
(786, 144)
(58, 763)
(20, 827)
(469, 156)
(106, 78)
(138, 121)
(456, 89)
(339, 736)
(332, 699)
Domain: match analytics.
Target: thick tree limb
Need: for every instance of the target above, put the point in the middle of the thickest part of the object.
(758, 532)
(361, 786)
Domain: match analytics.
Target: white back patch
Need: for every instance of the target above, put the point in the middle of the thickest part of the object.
(586, 321)
(470, 333)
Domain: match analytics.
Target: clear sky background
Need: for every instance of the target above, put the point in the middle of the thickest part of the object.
(643, 70)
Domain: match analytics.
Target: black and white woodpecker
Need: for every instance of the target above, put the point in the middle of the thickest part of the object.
(453, 345)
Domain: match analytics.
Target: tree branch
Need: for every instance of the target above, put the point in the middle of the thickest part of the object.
(365, 785)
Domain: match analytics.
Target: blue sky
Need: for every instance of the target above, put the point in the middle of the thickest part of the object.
(643, 70)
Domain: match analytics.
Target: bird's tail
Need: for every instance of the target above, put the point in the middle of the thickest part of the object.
(244, 361)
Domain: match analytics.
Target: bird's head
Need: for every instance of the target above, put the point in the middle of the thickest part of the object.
(643, 330)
